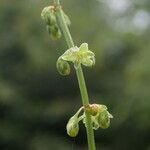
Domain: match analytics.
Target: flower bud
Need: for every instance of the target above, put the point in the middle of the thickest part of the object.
(95, 122)
(48, 15)
(54, 32)
(104, 119)
(73, 127)
(63, 67)
(100, 116)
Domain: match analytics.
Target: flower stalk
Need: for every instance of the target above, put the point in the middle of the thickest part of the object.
(80, 76)
(93, 116)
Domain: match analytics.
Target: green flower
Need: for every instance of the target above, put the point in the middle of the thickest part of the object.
(102, 118)
(80, 55)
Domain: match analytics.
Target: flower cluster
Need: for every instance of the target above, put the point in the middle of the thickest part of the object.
(77, 55)
(49, 16)
(99, 115)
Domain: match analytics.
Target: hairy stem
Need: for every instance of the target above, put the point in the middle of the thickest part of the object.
(80, 76)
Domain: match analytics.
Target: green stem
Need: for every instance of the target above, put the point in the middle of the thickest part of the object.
(80, 76)
(63, 25)
(85, 101)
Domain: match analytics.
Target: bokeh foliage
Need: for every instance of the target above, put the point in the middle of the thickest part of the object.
(36, 102)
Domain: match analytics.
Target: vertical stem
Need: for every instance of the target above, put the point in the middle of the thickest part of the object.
(80, 76)
(63, 25)
(85, 101)
(82, 86)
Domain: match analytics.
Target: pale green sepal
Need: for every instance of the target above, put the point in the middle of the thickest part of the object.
(88, 62)
(90, 53)
(95, 122)
(71, 54)
(83, 47)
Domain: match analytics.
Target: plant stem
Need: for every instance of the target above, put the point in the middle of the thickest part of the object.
(63, 25)
(80, 76)
(85, 101)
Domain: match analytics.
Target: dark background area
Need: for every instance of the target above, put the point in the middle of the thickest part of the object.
(36, 102)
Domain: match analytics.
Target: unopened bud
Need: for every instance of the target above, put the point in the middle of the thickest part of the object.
(73, 127)
(63, 67)
(48, 15)
(54, 32)
(104, 119)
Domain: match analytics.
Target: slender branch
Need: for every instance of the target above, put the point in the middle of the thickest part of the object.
(80, 76)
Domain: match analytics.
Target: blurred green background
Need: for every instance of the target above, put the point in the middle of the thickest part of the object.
(36, 102)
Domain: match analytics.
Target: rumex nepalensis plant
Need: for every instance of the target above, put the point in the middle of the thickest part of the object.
(93, 116)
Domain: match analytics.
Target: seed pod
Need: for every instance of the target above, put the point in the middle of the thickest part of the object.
(104, 119)
(73, 127)
(63, 67)
(48, 15)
